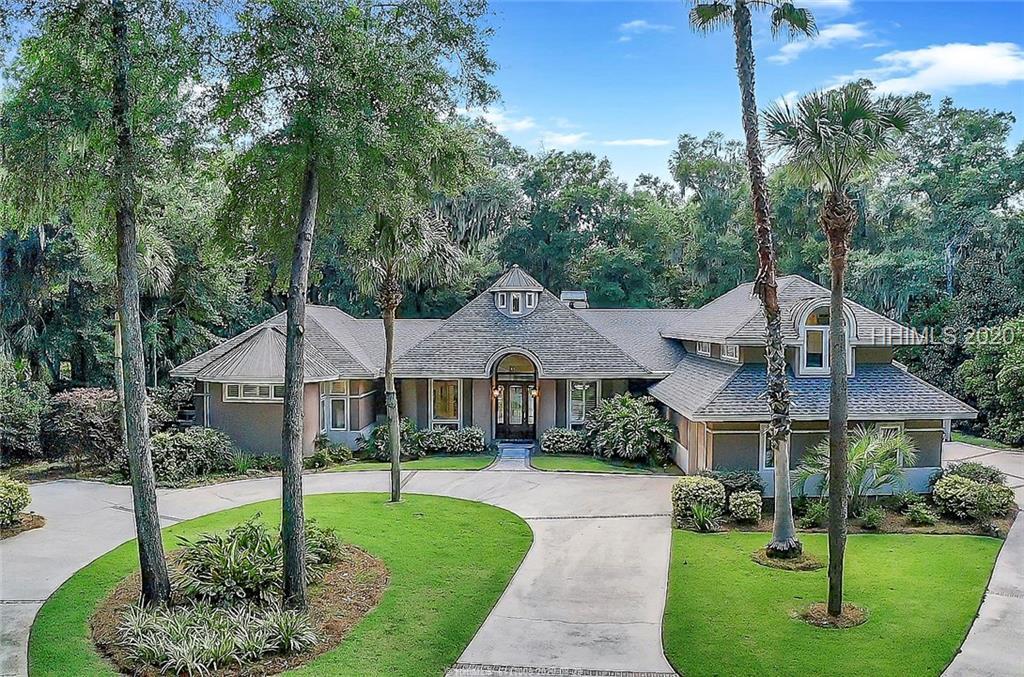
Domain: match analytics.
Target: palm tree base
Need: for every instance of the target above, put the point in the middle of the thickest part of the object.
(789, 548)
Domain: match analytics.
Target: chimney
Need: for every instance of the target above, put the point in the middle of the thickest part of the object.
(574, 299)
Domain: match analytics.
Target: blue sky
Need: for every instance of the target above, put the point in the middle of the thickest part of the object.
(624, 79)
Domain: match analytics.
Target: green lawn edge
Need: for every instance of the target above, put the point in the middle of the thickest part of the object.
(437, 462)
(449, 561)
(593, 464)
(726, 615)
(966, 438)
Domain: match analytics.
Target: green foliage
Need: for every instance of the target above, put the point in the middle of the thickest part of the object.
(979, 472)
(745, 506)
(704, 517)
(563, 441)
(376, 446)
(22, 405)
(736, 480)
(179, 456)
(875, 459)
(873, 518)
(241, 462)
(993, 377)
(965, 498)
(630, 428)
(919, 515)
(691, 490)
(447, 441)
(815, 516)
(199, 638)
(326, 453)
(244, 564)
(14, 498)
(82, 425)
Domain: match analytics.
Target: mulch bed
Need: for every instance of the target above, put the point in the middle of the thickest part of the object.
(347, 592)
(26, 522)
(817, 614)
(804, 562)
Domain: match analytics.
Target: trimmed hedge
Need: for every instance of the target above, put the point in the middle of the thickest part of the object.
(563, 441)
(692, 490)
(188, 454)
(745, 506)
(14, 498)
(448, 441)
(965, 498)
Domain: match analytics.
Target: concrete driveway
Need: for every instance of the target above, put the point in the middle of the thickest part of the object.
(588, 598)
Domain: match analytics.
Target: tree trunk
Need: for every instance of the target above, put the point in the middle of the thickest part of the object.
(837, 219)
(784, 542)
(293, 530)
(119, 378)
(156, 585)
(390, 298)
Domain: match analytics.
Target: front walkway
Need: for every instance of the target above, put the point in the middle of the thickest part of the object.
(587, 599)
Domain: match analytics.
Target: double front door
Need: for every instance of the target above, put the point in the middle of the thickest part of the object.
(514, 411)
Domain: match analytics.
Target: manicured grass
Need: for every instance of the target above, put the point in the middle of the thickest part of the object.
(727, 615)
(982, 442)
(439, 462)
(449, 561)
(575, 463)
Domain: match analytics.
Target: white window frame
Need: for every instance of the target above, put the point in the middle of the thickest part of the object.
(704, 348)
(762, 449)
(516, 300)
(730, 353)
(445, 422)
(242, 397)
(531, 300)
(826, 368)
(502, 300)
(568, 400)
(896, 426)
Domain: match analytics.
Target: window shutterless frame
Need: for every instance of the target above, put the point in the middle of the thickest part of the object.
(704, 348)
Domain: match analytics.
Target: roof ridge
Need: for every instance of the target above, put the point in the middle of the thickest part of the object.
(361, 358)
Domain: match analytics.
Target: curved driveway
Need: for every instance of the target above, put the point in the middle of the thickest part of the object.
(588, 598)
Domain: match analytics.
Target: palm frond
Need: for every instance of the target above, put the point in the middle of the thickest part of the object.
(793, 21)
(706, 17)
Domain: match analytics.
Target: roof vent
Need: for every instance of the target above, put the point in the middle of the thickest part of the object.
(574, 299)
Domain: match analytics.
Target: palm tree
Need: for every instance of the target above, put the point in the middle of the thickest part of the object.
(705, 17)
(399, 252)
(832, 138)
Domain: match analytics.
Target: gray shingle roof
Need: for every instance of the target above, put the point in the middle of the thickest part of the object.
(260, 359)
(735, 317)
(876, 391)
(637, 332)
(556, 336)
(693, 383)
(515, 278)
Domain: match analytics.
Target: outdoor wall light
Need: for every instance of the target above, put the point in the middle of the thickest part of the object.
(533, 391)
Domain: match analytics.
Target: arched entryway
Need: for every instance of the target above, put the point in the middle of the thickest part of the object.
(515, 398)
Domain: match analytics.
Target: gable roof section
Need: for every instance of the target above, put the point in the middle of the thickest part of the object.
(693, 384)
(637, 333)
(516, 279)
(876, 391)
(735, 317)
(466, 344)
(260, 359)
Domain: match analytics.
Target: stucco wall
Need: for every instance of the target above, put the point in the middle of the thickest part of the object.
(547, 405)
(560, 403)
(256, 426)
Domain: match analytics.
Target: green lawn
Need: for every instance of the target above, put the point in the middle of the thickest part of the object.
(576, 463)
(438, 462)
(449, 561)
(982, 441)
(728, 616)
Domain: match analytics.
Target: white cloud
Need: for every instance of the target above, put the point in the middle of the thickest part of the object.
(501, 120)
(826, 38)
(637, 142)
(630, 29)
(940, 68)
(839, 6)
(556, 140)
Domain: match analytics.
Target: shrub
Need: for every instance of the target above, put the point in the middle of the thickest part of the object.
(326, 453)
(979, 472)
(14, 498)
(22, 406)
(563, 441)
(873, 517)
(630, 428)
(376, 446)
(448, 441)
(704, 517)
(992, 500)
(903, 501)
(244, 564)
(468, 441)
(965, 498)
(198, 638)
(82, 425)
(736, 480)
(183, 455)
(745, 506)
(693, 489)
(242, 462)
(920, 515)
(815, 516)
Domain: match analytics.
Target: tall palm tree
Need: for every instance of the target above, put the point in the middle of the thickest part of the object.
(832, 138)
(400, 252)
(706, 17)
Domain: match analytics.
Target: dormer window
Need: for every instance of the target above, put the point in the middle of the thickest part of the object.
(731, 353)
(814, 351)
(502, 299)
(517, 304)
(704, 348)
(531, 300)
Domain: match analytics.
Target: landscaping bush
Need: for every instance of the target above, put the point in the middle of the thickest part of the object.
(630, 428)
(448, 441)
(979, 472)
(964, 498)
(14, 498)
(704, 517)
(326, 453)
(815, 515)
(736, 480)
(199, 638)
(873, 517)
(82, 425)
(920, 515)
(693, 489)
(468, 441)
(745, 506)
(375, 447)
(245, 563)
(179, 456)
(22, 405)
(563, 441)
(903, 501)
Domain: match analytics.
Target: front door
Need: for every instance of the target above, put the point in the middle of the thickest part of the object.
(514, 412)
